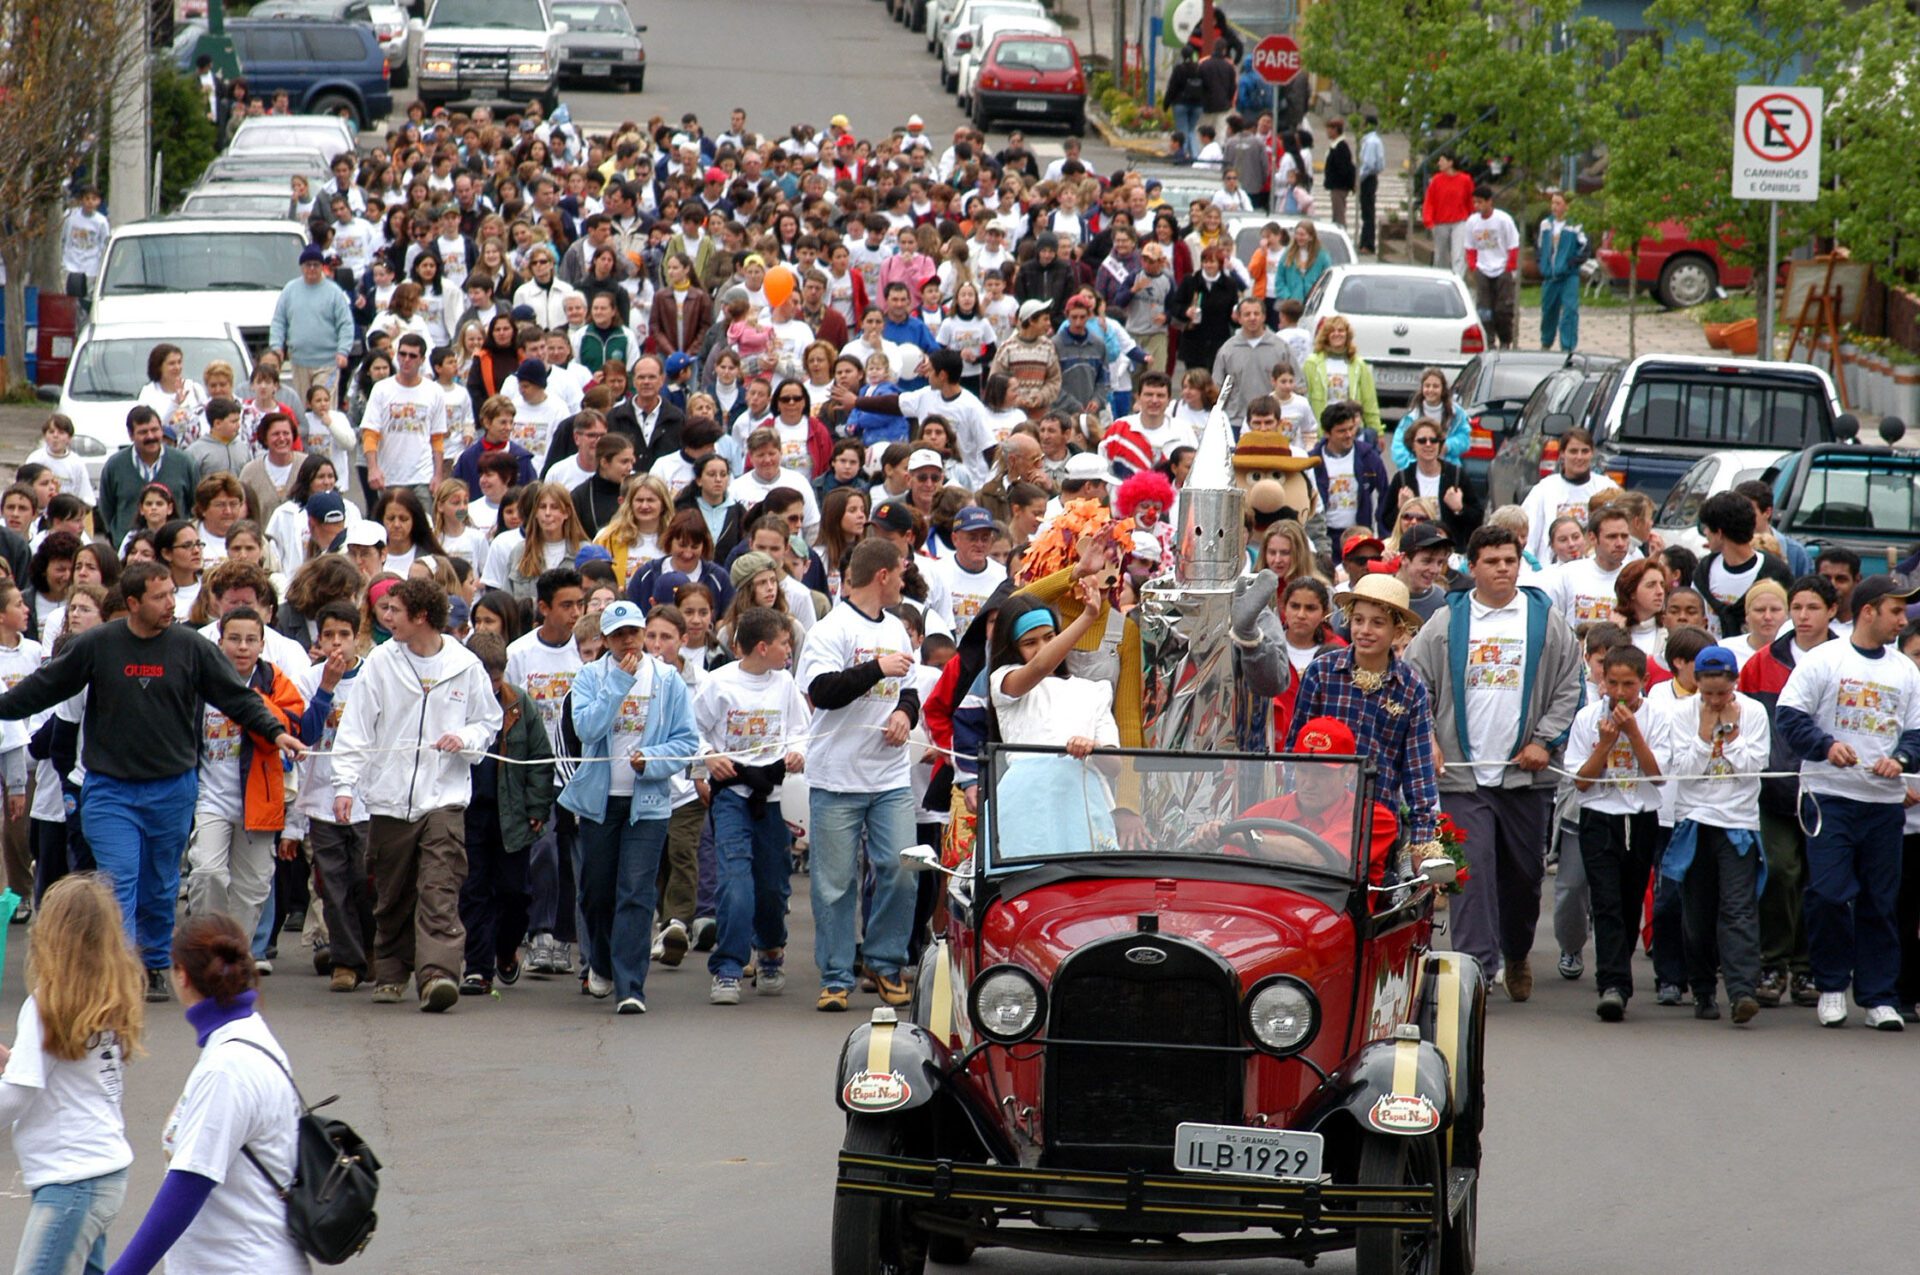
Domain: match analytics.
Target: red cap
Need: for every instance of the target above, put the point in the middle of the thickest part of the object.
(716, 174)
(1326, 735)
(1359, 537)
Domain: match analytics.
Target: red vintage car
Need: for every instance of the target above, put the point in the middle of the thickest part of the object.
(1229, 1040)
(1681, 270)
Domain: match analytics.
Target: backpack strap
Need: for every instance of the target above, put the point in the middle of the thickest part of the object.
(247, 1151)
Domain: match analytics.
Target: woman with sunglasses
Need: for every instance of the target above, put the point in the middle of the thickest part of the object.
(1431, 476)
(805, 446)
(1434, 402)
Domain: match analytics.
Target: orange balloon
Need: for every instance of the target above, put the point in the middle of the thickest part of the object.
(781, 281)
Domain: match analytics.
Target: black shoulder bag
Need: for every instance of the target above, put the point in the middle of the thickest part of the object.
(336, 1178)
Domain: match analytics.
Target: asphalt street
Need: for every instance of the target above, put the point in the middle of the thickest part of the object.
(538, 1132)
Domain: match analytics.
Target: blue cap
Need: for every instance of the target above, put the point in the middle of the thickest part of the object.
(458, 612)
(326, 507)
(621, 615)
(1716, 659)
(531, 372)
(590, 552)
(666, 582)
(678, 362)
(973, 518)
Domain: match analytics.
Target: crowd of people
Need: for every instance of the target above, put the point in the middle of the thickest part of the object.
(594, 486)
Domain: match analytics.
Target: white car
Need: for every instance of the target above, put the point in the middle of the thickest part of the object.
(326, 135)
(185, 269)
(1678, 521)
(983, 33)
(109, 369)
(1245, 227)
(1404, 319)
(957, 39)
(239, 199)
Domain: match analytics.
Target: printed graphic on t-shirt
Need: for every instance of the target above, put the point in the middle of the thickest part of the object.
(1494, 663)
(1594, 607)
(887, 688)
(632, 717)
(1621, 763)
(1575, 509)
(403, 417)
(549, 691)
(1717, 764)
(1342, 492)
(333, 723)
(1867, 708)
(220, 736)
(748, 729)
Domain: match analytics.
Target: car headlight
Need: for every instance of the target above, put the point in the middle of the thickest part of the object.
(437, 66)
(1282, 1015)
(530, 66)
(85, 446)
(1007, 1004)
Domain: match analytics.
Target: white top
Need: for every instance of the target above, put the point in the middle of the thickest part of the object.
(1055, 711)
(966, 591)
(1297, 423)
(1170, 433)
(1724, 802)
(71, 470)
(236, 1097)
(546, 673)
(760, 715)
(849, 753)
(220, 795)
(1491, 238)
(629, 726)
(72, 1128)
(1343, 490)
(533, 423)
(1553, 496)
(406, 702)
(16, 662)
(1619, 798)
(407, 419)
(972, 435)
(569, 473)
(1582, 591)
(750, 489)
(1496, 666)
(1864, 700)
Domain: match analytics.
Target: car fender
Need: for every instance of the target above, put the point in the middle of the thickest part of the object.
(1451, 1009)
(1398, 1086)
(887, 1065)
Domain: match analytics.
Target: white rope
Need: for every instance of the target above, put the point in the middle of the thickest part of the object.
(473, 755)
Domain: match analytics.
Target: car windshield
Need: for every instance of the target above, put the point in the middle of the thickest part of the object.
(501, 15)
(214, 203)
(1711, 409)
(1851, 493)
(320, 135)
(601, 19)
(1034, 55)
(204, 262)
(1043, 805)
(1400, 296)
(1246, 241)
(117, 368)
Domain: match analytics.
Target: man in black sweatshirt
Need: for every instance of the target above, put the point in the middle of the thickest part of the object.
(154, 689)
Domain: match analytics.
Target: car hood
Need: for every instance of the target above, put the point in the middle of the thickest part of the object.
(1259, 929)
(242, 309)
(598, 40)
(478, 38)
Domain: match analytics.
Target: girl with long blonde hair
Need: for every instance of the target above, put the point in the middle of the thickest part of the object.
(550, 537)
(634, 532)
(60, 1092)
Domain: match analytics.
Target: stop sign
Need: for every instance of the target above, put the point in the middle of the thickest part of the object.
(1276, 59)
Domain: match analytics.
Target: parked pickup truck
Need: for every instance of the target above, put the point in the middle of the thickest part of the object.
(505, 51)
(1652, 418)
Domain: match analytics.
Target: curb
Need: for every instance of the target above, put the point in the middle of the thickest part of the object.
(1116, 139)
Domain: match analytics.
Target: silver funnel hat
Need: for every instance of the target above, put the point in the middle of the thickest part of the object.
(1210, 536)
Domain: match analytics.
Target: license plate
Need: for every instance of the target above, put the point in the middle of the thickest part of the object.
(597, 68)
(1243, 1152)
(1029, 104)
(1397, 375)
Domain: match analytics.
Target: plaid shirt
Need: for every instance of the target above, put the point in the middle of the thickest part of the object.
(1400, 743)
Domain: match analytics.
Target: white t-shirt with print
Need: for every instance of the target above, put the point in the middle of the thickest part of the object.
(1622, 763)
(1866, 701)
(966, 591)
(546, 673)
(1343, 490)
(408, 419)
(73, 1128)
(849, 753)
(1496, 667)
(1582, 591)
(1553, 497)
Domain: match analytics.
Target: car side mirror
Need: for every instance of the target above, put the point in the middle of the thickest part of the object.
(641, 27)
(47, 393)
(1557, 425)
(1440, 873)
(921, 858)
(416, 25)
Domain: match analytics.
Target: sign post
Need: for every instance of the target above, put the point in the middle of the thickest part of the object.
(1276, 59)
(1776, 156)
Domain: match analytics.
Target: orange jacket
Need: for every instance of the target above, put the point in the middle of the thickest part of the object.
(263, 772)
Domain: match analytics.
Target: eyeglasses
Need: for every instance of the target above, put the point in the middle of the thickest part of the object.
(1426, 442)
(408, 354)
(791, 398)
(1412, 520)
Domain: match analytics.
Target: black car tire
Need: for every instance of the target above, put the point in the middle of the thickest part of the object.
(1459, 1243)
(871, 1234)
(330, 104)
(638, 83)
(402, 75)
(1078, 126)
(979, 113)
(1390, 1160)
(1686, 280)
(949, 1250)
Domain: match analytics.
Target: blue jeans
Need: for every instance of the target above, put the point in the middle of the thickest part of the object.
(754, 881)
(1186, 122)
(1853, 887)
(838, 818)
(619, 884)
(66, 1230)
(138, 829)
(1560, 311)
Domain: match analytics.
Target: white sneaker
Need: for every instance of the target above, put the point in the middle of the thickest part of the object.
(1885, 1018)
(631, 1005)
(1832, 1010)
(597, 987)
(264, 966)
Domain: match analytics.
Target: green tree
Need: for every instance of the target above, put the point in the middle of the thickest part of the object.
(1871, 134)
(181, 129)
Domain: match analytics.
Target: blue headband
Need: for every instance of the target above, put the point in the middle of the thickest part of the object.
(1038, 618)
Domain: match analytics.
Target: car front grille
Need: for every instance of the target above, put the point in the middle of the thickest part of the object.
(488, 63)
(1122, 1064)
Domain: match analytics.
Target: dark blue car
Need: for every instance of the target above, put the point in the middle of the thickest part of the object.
(323, 66)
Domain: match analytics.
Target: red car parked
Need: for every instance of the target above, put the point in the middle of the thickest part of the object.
(1034, 79)
(1681, 270)
(1228, 1042)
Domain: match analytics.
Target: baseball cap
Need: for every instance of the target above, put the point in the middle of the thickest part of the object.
(459, 611)
(367, 534)
(973, 518)
(678, 362)
(312, 253)
(326, 507)
(1087, 467)
(716, 174)
(914, 121)
(925, 458)
(1874, 588)
(591, 552)
(893, 515)
(621, 614)
(838, 121)
(532, 372)
(846, 139)
(1360, 538)
(1716, 659)
(1030, 310)
(1424, 535)
(1328, 736)
(1147, 545)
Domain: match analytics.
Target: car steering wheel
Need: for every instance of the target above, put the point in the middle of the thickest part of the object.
(1236, 828)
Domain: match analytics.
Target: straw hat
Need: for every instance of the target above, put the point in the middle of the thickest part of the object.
(1266, 450)
(1386, 590)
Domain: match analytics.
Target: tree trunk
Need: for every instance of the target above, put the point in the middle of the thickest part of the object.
(16, 326)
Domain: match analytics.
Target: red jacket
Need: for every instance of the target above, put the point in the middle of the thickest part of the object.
(1449, 199)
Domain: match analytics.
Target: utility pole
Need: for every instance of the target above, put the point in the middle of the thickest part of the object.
(132, 120)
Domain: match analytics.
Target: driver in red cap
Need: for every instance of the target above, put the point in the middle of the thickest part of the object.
(1321, 801)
